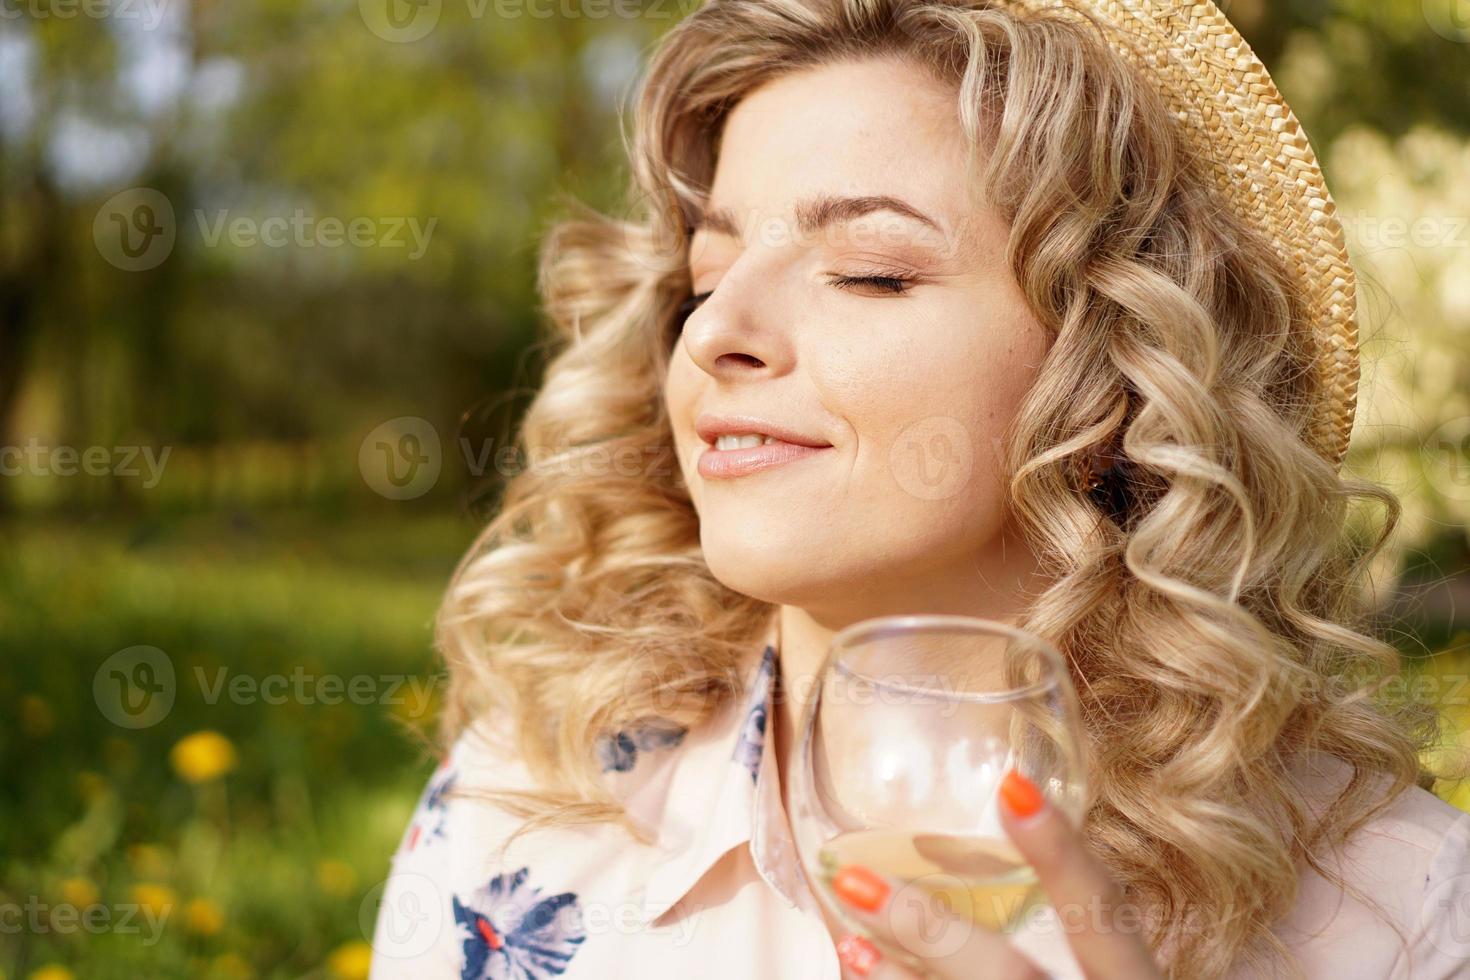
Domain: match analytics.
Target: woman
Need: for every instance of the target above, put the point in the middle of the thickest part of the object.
(1036, 315)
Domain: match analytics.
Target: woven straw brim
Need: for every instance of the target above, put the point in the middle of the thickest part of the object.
(1232, 116)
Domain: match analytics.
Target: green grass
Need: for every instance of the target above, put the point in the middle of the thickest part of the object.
(289, 843)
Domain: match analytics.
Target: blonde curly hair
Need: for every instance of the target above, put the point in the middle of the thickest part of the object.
(1208, 595)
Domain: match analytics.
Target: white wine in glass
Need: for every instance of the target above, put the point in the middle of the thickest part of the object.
(913, 724)
(982, 879)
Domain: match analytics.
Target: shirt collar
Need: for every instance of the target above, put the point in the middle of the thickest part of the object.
(721, 790)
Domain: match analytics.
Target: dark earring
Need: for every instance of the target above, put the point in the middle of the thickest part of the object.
(1089, 472)
(1106, 479)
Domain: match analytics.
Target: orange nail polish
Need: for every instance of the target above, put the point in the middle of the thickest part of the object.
(1021, 795)
(860, 888)
(857, 954)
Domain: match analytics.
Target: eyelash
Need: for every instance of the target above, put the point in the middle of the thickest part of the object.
(897, 285)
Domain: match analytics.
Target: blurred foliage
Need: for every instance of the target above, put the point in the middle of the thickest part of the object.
(265, 110)
(267, 546)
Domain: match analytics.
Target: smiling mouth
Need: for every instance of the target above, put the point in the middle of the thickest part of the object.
(734, 456)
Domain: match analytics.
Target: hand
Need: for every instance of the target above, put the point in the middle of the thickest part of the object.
(952, 948)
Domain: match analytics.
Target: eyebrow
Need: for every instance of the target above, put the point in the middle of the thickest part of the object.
(816, 213)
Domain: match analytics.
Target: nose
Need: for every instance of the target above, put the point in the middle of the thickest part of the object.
(742, 329)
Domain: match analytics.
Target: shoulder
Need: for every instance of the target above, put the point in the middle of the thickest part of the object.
(1411, 862)
(1424, 844)
(445, 845)
(463, 884)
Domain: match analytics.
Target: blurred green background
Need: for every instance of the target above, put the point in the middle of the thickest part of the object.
(266, 318)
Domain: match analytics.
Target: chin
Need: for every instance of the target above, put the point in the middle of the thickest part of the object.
(755, 561)
(805, 566)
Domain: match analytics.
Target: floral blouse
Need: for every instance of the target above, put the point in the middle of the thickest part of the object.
(720, 893)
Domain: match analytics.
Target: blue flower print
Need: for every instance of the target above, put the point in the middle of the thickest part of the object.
(510, 932)
(432, 811)
(619, 753)
(753, 729)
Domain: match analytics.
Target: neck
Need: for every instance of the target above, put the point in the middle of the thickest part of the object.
(999, 588)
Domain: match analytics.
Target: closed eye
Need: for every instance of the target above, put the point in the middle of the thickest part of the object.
(897, 285)
(887, 284)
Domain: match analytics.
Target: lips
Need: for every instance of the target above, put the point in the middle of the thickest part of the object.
(710, 427)
(780, 444)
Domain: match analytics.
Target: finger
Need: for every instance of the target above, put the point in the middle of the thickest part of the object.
(916, 919)
(1086, 899)
(861, 960)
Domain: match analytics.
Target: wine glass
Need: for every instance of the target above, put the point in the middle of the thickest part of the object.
(912, 724)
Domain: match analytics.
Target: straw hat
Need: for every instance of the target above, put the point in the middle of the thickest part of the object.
(1233, 115)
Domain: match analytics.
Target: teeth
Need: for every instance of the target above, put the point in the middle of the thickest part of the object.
(747, 440)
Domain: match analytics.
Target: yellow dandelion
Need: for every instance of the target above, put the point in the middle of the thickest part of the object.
(156, 898)
(231, 966)
(51, 972)
(80, 892)
(350, 961)
(336, 878)
(203, 918)
(202, 756)
(36, 717)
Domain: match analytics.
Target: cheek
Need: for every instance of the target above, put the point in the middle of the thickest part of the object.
(927, 406)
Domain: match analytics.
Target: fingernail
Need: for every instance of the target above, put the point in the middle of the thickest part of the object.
(1021, 795)
(860, 888)
(857, 954)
